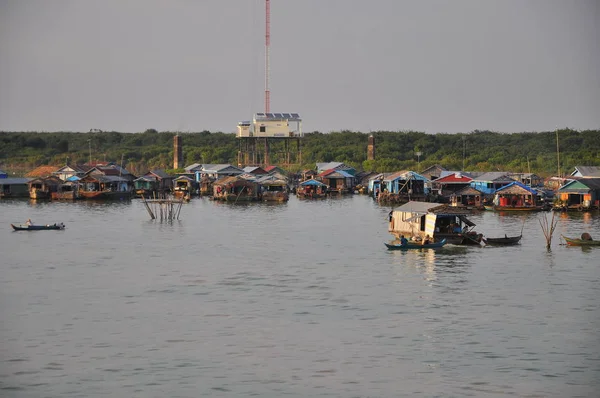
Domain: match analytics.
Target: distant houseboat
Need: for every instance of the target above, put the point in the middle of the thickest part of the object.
(183, 186)
(67, 191)
(517, 197)
(312, 189)
(235, 189)
(419, 219)
(104, 187)
(42, 188)
(274, 190)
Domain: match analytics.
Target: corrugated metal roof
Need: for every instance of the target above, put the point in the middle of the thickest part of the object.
(494, 176)
(14, 181)
(587, 171)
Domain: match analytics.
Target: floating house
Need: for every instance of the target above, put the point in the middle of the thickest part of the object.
(402, 187)
(578, 194)
(273, 189)
(153, 182)
(104, 187)
(339, 181)
(433, 172)
(15, 187)
(235, 189)
(467, 197)
(69, 190)
(42, 188)
(528, 179)
(440, 221)
(449, 184)
(586, 172)
(517, 197)
(312, 189)
(321, 167)
(67, 171)
(489, 183)
(42, 171)
(184, 187)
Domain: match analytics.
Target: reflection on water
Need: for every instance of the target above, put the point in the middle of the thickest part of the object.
(298, 298)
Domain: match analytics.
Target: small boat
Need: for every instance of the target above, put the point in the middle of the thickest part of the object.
(581, 242)
(55, 226)
(506, 241)
(412, 245)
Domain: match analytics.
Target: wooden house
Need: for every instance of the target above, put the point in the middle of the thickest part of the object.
(184, 186)
(42, 171)
(528, 179)
(339, 181)
(362, 179)
(467, 197)
(517, 197)
(489, 183)
(586, 172)
(578, 194)
(42, 188)
(153, 182)
(71, 170)
(15, 187)
(433, 172)
(273, 189)
(321, 167)
(312, 189)
(104, 187)
(402, 187)
(68, 190)
(440, 221)
(275, 170)
(235, 189)
(449, 184)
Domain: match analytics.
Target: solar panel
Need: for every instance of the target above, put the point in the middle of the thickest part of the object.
(278, 115)
(295, 115)
(260, 114)
(286, 115)
(269, 115)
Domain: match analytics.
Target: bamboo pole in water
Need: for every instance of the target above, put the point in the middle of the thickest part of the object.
(548, 229)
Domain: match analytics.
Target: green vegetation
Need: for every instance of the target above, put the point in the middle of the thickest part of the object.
(483, 150)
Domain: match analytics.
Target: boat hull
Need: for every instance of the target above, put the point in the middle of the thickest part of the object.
(412, 246)
(37, 227)
(581, 242)
(506, 241)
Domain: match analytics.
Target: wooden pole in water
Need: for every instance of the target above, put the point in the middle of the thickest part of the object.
(548, 229)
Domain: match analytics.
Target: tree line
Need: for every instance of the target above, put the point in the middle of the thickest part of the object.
(534, 152)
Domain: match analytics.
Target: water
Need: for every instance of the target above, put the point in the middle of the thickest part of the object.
(298, 299)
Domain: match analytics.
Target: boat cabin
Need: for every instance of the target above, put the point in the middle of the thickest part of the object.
(440, 221)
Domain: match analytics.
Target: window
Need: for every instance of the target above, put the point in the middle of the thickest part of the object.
(263, 129)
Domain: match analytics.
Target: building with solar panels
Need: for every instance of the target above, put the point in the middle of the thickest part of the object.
(276, 125)
(269, 138)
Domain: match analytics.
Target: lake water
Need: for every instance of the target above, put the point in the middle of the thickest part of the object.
(298, 299)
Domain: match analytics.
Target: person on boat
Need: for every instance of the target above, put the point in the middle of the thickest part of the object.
(29, 223)
(456, 229)
(427, 240)
(403, 241)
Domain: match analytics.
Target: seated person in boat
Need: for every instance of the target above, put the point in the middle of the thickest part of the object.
(426, 240)
(403, 241)
(29, 222)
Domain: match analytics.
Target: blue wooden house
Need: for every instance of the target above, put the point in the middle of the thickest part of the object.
(489, 183)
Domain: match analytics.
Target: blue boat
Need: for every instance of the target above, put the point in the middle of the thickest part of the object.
(411, 245)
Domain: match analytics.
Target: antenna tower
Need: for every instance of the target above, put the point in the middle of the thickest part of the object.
(267, 49)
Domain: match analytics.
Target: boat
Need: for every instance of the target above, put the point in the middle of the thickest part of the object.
(581, 242)
(505, 241)
(55, 226)
(440, 221)
(415, 245)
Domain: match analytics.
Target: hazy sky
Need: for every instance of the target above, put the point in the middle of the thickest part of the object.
(193, 65)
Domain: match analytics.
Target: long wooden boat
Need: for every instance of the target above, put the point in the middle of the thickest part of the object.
(55, 226)
(506, 241)
(412, 245)
(581, 242)
(516, 208)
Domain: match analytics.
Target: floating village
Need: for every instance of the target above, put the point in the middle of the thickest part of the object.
(428, 207)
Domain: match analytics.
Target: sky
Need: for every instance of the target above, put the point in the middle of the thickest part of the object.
(394, 65)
